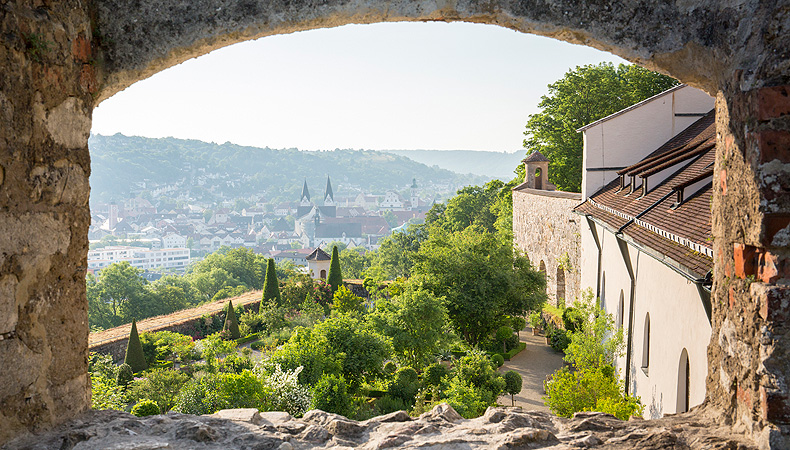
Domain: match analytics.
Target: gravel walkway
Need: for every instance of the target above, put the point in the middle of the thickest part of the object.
(534, 364)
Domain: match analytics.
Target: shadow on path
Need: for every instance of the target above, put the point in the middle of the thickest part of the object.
(534, 364)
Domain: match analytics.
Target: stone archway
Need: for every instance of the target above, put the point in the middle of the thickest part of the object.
(59, 59)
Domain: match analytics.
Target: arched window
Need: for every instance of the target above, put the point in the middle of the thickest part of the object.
(560, 286)
(538, 179)
(621, 310)
(323, 274)
(683, 382)
(646, 344)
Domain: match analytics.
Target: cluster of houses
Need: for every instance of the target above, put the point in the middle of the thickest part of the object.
(286, 231)
(638, 237)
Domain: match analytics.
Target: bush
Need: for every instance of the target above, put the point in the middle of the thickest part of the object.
(536, 320)
(286, 392)
(388, 404)
(257, 345)
(330, 394)
(467, 399)
(231, 325)
(434, 373)
(235, 363)
(510, 354)
(134, 351)
(145, 408)
(105, 393)
(498, 360)
(158, 385)
(588, 389)
(103, 365)
(573, 319)
(212, 392)
(125, 375)
(390, 367)
(559, 340)
(406, 385)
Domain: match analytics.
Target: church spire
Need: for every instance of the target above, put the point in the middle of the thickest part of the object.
(328, 193)
(305, 192)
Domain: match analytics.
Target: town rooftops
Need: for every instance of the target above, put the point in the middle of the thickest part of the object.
(318, 255)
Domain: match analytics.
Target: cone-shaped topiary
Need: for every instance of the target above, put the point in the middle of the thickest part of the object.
(335, 278)
(271, 287)
(134, 351)
(231, 323)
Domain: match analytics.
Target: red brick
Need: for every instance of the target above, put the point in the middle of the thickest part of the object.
(743, 257)
(771, 267)
(773, 144)
(744, 397)
(774, 406)
(773, 102)
(81, 49)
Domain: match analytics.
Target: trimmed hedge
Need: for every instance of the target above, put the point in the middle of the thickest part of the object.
(515, 351)
(245, 339)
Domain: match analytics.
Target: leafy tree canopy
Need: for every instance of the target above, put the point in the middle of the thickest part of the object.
(584, 95)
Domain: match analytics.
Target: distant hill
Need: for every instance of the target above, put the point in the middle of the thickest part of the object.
(489, 164)
(215, 171)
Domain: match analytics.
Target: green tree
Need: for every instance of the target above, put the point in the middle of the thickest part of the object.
(231, 325)
(584, 95)
(480, 278)
(335, 277)
(331, 395)
(123, 288)
(134, 351)
(395, 256)
(513, 383)
(415, 321)
(353, 262)
(271, 287)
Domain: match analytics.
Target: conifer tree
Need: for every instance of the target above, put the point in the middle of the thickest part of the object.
(271, 287)
(231, 323)
(335, 278)
(134, 351)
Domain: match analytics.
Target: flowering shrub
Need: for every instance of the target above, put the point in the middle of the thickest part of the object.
(286, 392)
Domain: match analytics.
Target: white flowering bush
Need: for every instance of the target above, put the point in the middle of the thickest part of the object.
(286, 392)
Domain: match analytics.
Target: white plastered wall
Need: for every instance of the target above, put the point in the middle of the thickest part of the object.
(677, 320)
(626, 138)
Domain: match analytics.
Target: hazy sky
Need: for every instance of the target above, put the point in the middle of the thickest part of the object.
(385, 86)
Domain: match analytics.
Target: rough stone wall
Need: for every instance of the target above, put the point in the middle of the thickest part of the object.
(545, 228)
(46, 98)
(749, 352)
(58, 59)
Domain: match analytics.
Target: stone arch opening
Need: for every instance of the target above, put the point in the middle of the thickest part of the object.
(538, 179)
(542, 270)
(684, 378)
(560, 286)
(93, 52)
(323, 274)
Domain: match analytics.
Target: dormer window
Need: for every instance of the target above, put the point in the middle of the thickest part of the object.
(644, 187)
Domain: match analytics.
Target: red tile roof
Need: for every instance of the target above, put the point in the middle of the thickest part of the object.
(679, 232)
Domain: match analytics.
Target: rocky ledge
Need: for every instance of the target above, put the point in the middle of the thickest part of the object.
(440, 428)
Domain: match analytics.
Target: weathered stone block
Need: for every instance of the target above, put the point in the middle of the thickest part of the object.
(773, 102)
(744, 260)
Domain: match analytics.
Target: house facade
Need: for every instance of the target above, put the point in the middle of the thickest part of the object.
(638, 236)
(646, 249)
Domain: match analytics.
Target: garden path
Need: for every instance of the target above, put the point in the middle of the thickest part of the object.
(534, 364)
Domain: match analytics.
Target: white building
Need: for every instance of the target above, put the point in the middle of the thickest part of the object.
(392, 201)
(141, 258)
(645, 241)
(318, 264)
(174, 240)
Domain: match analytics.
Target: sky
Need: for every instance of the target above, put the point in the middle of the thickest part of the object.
(438, 86)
